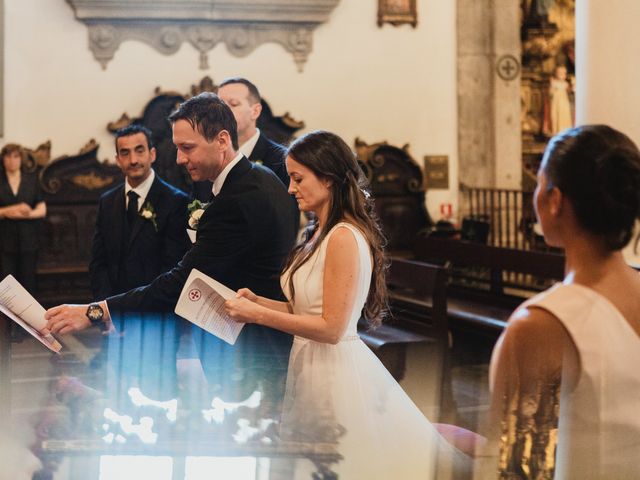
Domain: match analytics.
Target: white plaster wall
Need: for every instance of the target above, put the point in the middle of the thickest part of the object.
(395, 83)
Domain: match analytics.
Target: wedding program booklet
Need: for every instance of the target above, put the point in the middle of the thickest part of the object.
(202, 303)
(20, 306)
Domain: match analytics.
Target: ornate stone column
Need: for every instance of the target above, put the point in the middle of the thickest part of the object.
(489, 137)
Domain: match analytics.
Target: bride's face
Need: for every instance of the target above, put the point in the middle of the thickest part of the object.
(312, 193)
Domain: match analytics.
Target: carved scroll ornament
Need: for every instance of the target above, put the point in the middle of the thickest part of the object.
(242, 25)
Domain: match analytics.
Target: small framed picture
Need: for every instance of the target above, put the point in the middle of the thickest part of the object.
(397, 12)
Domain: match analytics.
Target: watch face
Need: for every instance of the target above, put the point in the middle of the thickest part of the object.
(95, 313)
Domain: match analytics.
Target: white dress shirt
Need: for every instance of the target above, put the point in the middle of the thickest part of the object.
(142, 190)
(247, 147)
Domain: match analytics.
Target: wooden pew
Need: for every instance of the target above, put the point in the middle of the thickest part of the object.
(418, 307)
(484, 287)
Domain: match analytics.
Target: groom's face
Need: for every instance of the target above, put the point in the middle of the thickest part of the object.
(202, 159)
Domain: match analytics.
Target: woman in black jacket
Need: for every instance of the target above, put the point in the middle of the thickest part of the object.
(21, 208)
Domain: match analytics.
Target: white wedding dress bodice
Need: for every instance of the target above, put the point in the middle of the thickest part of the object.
(308, 282)
(343, 393)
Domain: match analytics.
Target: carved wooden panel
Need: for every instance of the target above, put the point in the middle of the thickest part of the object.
(72, 186)
(397, 186)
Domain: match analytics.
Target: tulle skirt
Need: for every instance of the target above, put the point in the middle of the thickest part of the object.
(342, 394)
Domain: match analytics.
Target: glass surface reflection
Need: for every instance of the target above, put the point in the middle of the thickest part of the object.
(92, 413)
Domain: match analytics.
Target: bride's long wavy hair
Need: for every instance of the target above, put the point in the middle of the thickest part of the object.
(330, 158)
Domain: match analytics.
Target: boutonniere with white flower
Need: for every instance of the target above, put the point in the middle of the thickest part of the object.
(148, 213)
(196, 210)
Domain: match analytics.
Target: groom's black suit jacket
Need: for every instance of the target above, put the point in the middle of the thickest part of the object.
(243, 238)
(124, 257)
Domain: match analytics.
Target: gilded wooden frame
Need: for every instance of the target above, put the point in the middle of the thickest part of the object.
(397, 12)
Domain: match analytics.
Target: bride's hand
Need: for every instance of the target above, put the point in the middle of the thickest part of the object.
(243, 310)
(248, 294)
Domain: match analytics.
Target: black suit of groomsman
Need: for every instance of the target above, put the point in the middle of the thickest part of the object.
(243, 238)
(141, 225)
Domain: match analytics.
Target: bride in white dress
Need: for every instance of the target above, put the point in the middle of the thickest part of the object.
(336, 387)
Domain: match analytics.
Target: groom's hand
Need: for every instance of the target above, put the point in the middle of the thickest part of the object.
(65, 319)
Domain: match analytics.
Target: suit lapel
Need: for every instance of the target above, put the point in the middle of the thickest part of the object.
(259, 150)
(119, 216)
(242, 167)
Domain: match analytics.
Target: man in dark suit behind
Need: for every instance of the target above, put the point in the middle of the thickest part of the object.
(141, 224)
(242, 240)
(243, 98)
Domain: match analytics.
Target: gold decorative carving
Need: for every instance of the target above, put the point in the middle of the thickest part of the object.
(39, 157)
(89, 146)
(206, 85)
(122, 122)
(289, 121)
(397, 12)
(364, 150)
(91, 181)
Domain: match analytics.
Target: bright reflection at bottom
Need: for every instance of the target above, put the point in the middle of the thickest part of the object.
(117, 467)
(206, 468)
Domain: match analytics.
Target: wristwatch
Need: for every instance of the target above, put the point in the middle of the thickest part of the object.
(95, 314)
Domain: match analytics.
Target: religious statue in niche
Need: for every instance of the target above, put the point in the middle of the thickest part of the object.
(397, 12)
(558, 108)
(547, 93)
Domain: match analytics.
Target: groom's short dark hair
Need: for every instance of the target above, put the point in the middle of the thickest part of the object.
(209, 115)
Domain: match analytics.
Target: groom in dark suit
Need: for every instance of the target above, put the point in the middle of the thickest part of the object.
(141, 225)
(243, 238)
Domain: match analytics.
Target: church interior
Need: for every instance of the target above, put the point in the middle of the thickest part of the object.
(448, 106)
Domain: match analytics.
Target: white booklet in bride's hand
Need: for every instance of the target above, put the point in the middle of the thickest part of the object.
(202, 303)
(20, 306)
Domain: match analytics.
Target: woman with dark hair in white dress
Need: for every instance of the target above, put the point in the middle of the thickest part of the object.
(336, 387)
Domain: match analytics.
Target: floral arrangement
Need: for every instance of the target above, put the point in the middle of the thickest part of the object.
(196, 209)
(148, 213)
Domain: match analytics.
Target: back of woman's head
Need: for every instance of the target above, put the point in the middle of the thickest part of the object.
(330, 158)
(598, 169)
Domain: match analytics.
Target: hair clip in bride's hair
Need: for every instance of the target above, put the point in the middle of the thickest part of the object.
(366, 194)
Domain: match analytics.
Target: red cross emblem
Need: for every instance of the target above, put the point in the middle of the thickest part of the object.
(194, 295)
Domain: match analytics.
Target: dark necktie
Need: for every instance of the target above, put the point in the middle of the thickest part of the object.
(132, 208)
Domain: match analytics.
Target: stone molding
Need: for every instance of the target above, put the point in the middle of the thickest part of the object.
(242, 25)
